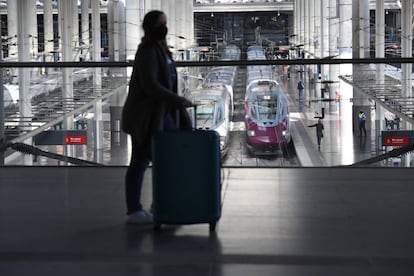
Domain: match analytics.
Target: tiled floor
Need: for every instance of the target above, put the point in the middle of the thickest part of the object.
(275, 221)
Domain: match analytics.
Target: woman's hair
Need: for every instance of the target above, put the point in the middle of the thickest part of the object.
(150, 19)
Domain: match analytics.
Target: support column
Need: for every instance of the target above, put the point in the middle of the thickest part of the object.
(156, 5)
(295, 21)
(66, 39)
(170, 10)
(180, 31)
(345, 35)
(12, 29)
(406, 46)
(344, 89)
(345, 29)
(24, 38)
(165, 7)
(317, 26)
(113, 30)
(380, 39)
(12, 37)
(148, 5)
(189, 24)
(333, 28)
(360, 49)
(122, 31)
(48, 30)
(117, 44)
(324, 37)
(305, 13)
(333, 45)
(2, 132)
(311, 24)
(31, 21)
(380, 68)
(406, 51)
(117, 31)
(301, 22)
(97, 79)
(75, 28)
(84, 41)
(134, 13)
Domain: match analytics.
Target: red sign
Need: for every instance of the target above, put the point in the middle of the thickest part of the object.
(75, 140)
(395, 141)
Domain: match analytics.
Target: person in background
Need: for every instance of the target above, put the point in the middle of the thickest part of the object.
(361, 120)
(151, 106)
(301, 86)
(337, 97)
(319, 131)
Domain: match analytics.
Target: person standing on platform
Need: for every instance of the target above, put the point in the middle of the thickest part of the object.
(301, 86)
(151, 106)
(319, 131)
(361, 119)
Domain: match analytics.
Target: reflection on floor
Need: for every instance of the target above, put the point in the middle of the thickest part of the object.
(275, 221)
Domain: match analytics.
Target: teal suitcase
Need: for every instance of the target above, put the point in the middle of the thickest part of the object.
(186, 176)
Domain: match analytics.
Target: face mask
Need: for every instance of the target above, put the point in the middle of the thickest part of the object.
(159, 33)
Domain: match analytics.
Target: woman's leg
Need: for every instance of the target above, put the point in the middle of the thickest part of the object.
(134, 178)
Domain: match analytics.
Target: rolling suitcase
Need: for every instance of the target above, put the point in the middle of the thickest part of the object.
(186, 174)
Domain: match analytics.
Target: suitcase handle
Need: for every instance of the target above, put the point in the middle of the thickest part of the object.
(177, 117)
(195, 115)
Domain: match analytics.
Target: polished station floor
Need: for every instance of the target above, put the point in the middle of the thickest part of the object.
(275, 221)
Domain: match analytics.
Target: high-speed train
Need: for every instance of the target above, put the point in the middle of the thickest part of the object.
(266, 109)
(10, 95)
(214, 98)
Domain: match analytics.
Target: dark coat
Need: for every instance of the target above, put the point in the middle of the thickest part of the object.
(150, 95)
(319, 129)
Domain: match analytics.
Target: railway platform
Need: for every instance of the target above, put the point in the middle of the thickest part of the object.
(342, 145)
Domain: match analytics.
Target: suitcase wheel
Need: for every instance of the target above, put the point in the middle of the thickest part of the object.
(212, 226)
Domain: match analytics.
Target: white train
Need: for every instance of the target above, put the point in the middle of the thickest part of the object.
(11, 95)
(214, 98)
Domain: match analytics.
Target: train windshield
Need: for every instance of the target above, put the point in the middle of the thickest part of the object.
(209, 115)
(264, 108)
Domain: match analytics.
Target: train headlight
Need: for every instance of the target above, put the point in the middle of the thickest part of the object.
(285, 133)
(251, 133)
(222, 141)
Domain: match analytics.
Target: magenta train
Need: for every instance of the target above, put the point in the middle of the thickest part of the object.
(266, 109)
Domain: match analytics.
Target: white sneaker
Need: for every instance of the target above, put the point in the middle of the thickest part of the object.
(140, 217)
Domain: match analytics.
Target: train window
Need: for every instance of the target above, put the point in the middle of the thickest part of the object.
(205, 112)
(264, 83)
(219, 115)
(267, 109)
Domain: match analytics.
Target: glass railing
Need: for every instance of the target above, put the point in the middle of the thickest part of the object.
(78, 122)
